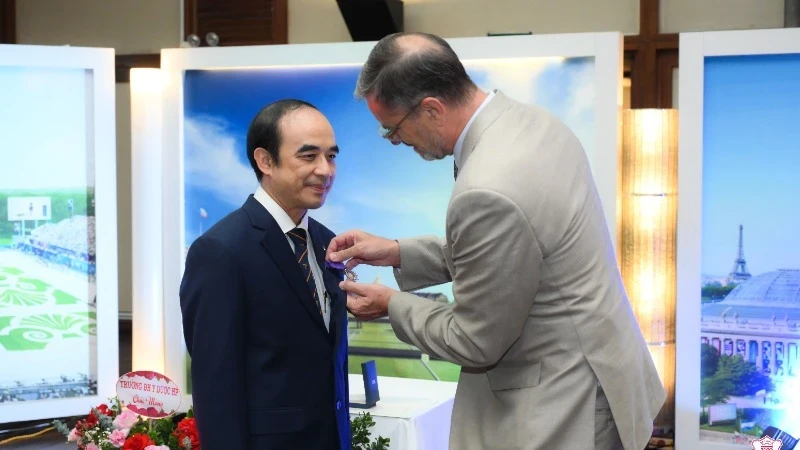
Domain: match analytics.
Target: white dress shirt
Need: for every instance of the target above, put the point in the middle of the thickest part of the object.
(460, 141)
(286, 224)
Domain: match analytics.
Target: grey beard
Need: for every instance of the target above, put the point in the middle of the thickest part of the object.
(427, 156)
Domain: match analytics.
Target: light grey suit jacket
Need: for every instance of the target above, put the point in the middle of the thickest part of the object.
(540, 317)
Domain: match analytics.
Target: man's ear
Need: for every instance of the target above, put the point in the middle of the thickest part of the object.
(433, 108)
(264, 161)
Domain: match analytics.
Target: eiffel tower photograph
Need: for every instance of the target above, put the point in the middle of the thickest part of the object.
(750, 288)
(739, 271)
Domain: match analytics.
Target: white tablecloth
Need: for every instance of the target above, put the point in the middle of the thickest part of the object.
(414, 414)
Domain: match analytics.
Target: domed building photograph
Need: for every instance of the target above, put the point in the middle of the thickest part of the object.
(750, 334)
(758, 319)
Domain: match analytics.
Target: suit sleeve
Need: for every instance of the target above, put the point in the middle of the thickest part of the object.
(212, 305)
(497, 261)
(428, 268)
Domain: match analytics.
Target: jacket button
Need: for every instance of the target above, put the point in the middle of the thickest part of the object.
(338, 405)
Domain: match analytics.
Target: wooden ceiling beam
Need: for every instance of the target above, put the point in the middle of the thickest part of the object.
(652, 56)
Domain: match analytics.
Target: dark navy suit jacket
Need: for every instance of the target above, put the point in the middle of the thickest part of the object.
(266, 374)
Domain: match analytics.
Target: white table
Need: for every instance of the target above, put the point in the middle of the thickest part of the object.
(413, 414)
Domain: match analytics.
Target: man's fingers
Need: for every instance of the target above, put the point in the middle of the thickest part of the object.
(337, 244)
(332, 247)
(346, 253)
(355, 305)
(353, 288)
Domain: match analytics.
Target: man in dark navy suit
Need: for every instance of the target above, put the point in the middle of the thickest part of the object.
(263, 317)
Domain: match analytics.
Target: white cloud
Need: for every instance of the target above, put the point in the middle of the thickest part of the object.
(214, 161)
(516, 78)
(571, 95)
(418, 203)
(582, 93)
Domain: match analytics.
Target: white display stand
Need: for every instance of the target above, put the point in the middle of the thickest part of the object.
(163, 181)
(413, 414)
(91, 71)
(695, 48)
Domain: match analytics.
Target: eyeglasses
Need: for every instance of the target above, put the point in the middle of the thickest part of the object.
(391, 133)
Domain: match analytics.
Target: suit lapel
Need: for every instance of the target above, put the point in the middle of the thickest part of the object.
(331, 280)
(277, 246)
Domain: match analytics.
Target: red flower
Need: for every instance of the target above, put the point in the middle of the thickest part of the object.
(106, 410)
(187, 428)
(80, 427)
(91, 420)
(137, 442)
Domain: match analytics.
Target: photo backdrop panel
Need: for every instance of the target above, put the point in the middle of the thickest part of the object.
(48, 316)
(383, 189)
(750, 293)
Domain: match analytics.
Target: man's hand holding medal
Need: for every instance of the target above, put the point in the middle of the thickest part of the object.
(348, 250)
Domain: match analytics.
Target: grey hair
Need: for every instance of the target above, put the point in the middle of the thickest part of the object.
(400, 77)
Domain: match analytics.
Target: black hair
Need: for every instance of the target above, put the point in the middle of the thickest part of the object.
(265, 131)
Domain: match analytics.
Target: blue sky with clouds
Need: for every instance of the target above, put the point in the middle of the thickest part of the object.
(751, 162)
(383, 189)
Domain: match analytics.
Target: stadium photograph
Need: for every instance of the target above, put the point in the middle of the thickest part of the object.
(47, 245)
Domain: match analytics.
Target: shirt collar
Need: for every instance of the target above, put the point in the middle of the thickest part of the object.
(276, 211)
(460, 141)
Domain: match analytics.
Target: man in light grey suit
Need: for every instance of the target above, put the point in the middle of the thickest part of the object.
(551, 354)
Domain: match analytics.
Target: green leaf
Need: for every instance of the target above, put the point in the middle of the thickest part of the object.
(61, 427)
(360, 434)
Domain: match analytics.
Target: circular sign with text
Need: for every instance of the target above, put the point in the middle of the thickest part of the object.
(149, 394)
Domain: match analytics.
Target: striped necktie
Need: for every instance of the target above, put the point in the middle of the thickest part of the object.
(455, 170)
(300, 239)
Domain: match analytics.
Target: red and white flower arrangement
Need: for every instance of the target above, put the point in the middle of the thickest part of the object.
(114, 427)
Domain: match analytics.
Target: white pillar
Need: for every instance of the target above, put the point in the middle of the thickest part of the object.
(147, 244)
